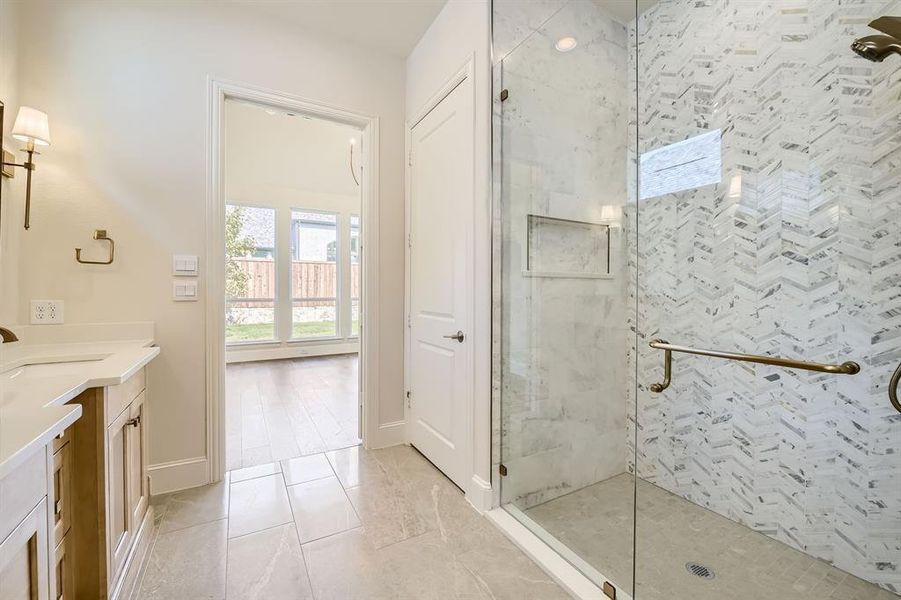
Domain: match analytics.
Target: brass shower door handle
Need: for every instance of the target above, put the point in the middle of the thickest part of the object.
(893, 388)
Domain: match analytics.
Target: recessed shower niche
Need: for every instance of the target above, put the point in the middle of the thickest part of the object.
(558, 247)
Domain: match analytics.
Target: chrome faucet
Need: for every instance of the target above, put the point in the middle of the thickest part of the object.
(7, 335)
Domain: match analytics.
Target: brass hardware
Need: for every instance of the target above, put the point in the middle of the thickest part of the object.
(457, 336)
(134, 422)
(504, 95)
(6, 161)
(7, 336)
(502, 469)
(8, 157)
(893, 388)
(609, 590)
(846, 368)
(667, 373)
(99, 234)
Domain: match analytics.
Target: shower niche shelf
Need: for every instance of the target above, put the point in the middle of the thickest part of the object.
(566, 248)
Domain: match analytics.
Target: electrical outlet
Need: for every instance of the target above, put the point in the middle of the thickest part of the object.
(45, 312)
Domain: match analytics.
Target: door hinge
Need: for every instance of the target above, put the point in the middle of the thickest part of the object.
(410, 159)
(409, 321)
(409, 398)
(504, 94)
(609, 590)
(502, 469)
(410, 240)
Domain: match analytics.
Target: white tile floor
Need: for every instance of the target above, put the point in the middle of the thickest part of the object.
(345, 525)
(286, 408)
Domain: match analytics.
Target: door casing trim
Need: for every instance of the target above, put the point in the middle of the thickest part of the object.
(219, 90)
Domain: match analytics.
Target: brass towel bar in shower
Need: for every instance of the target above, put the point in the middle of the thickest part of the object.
(846, 368)
(893, 388)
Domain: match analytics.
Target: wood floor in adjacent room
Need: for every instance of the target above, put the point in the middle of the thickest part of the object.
(282, 409)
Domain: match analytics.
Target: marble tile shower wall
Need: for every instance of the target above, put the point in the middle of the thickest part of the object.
(562, 380)
(797, 253)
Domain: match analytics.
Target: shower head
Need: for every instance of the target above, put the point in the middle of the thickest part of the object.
(876, 47)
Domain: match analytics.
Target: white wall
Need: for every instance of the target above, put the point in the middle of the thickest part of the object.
(461, 32)
(125, 85)
(13, 190)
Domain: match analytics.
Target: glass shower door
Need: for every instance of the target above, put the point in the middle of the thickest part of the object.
(769, 223)
(562, 179)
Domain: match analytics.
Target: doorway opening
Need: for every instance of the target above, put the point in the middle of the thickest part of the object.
(292, 228)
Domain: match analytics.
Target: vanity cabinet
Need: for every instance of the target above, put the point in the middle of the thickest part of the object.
(111, 489)
(25, 536)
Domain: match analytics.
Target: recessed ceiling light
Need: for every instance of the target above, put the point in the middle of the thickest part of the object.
(565, 44)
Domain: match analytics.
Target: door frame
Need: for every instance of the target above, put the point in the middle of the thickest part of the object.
(478, 491)
(219, 91)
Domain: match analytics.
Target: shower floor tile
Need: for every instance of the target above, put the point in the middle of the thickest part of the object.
(596, 523)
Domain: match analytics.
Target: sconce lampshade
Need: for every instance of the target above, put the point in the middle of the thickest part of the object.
(32, 126)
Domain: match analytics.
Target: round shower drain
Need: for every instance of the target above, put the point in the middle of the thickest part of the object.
(699, 570)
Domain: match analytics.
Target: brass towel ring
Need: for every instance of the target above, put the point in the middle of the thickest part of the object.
(99, 234)
(893, 388)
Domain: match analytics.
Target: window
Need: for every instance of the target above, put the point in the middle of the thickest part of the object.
(314, 274)
(355, 275)
(250, 277)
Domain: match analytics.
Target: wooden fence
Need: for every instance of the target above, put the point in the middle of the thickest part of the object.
(309, 279)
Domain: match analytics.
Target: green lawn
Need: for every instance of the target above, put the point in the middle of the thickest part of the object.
(264, 331)
(255, 332)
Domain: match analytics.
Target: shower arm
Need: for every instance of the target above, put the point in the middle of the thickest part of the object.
(846, 368)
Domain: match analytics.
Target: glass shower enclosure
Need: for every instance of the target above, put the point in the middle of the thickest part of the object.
(685, 191)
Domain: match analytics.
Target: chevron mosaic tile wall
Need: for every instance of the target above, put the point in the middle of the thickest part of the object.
(797, 252)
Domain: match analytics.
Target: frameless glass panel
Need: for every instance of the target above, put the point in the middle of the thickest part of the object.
(314, 274)
(354, 275)
(769, 223)
(561, 183)
(250, 274)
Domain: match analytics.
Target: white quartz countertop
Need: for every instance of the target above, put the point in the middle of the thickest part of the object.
(35, 387)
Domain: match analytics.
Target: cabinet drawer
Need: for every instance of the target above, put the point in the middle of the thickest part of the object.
(61, 509)
(21, 490)
(118, 397)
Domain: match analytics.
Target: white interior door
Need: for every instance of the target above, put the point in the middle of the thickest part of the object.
(441, 286)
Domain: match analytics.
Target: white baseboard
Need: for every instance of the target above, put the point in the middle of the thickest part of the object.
(253, 352)
(387, 435)
(479, 494)
(178, 475)
(561, 571)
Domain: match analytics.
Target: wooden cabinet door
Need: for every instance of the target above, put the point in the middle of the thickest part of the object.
(62, 492)
(117, 476)
(23, 558)
(138, 484)
(62, 572)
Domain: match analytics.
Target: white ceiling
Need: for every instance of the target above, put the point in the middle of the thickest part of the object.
(391, 26)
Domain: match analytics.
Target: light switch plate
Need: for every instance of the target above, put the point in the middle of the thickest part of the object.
(185, 265)
(46, 312)
(184, 290)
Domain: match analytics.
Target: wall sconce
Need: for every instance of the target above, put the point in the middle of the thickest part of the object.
(33, 128)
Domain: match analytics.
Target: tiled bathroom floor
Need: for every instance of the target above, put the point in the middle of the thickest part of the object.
(280, 409)
(344, 525)
(596, 522)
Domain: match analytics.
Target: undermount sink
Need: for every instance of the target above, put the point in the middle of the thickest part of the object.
(50, 369)
(16, 382)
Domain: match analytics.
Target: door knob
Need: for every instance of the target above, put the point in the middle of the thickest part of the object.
(457, 336)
